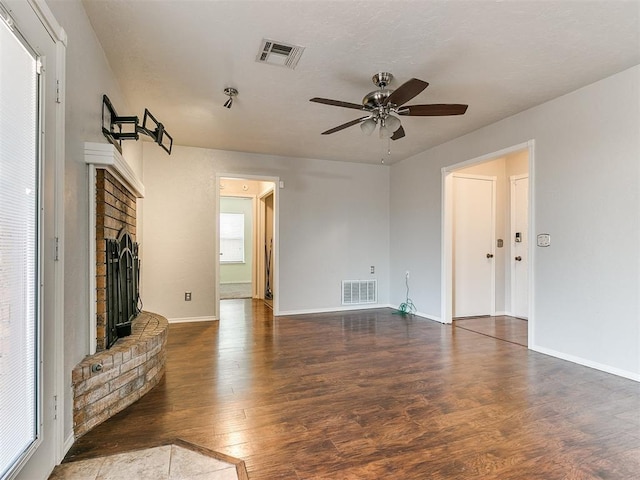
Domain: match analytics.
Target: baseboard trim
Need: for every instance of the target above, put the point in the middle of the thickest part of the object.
(332, 309)
(236, 283)
(68, 443)
(192, 319)
(353, 308)
(587, 363)
(430, 317)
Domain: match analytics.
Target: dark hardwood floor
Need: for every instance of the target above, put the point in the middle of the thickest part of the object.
(373, 395)
(509, 329)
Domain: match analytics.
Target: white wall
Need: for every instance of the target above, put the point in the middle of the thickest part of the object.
(586, 190)
(88, 77)
(333, 225)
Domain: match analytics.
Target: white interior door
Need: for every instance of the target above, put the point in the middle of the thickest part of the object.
(519, 246)
(473, 245)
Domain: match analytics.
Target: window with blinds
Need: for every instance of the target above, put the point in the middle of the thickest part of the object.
(19, 247)
(232, 237)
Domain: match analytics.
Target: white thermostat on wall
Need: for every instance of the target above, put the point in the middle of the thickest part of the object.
(544, 240)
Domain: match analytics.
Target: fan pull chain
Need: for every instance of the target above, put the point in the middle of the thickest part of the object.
(388, 151)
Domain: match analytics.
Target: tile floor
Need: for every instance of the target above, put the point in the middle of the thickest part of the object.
(169, 462)
(235, 290)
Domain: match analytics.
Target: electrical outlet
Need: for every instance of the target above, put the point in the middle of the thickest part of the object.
(373, 269)
(187, 296)
(407, 274)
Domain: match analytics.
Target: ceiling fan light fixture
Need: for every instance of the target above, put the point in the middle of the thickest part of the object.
(380, 104)
(368, 126)
(392, 123)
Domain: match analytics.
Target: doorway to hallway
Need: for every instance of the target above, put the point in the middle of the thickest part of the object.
(247, 216)
(485, 242)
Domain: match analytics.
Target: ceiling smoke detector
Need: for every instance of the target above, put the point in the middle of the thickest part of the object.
(279, 53)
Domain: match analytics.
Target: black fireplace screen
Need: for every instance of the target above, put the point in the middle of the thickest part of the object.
(123, 276)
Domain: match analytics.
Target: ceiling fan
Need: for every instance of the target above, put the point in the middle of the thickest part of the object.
(381, 104)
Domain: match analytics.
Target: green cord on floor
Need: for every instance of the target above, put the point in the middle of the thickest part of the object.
(407, 307)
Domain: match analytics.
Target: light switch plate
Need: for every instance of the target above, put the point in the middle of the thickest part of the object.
(544, 240)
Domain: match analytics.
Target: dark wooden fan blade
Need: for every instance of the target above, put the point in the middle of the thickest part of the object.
(345, 125)
(337, 103)
(433, 110)
(407, 91)
(399, 133)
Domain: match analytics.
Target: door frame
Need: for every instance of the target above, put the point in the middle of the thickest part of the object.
(494, 182)
(261, 264)
(512, 232)
(51, 445)
(446, 246)
(276, 215)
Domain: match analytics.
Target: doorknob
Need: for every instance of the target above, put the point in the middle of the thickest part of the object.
(489, 255)
(518, 258)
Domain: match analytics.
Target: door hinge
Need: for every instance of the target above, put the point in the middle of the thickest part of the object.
(55, 407)
(58, 99)
(56, 249)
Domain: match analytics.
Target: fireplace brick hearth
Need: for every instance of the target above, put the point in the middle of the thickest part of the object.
(111, 380)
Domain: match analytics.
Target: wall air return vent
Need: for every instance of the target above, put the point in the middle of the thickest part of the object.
(359, 292)
(279, 53)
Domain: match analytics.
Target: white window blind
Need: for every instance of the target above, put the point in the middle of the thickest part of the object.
(232, 237)
(19, 193)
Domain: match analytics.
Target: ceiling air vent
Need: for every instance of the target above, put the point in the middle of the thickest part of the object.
(279, 53)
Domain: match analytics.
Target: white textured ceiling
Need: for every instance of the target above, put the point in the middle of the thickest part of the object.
(499, 57)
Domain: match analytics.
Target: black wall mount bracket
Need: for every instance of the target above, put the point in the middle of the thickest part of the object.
(118, 128)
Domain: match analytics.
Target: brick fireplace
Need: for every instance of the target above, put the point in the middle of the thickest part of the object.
(110, 379)
(115, 212)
